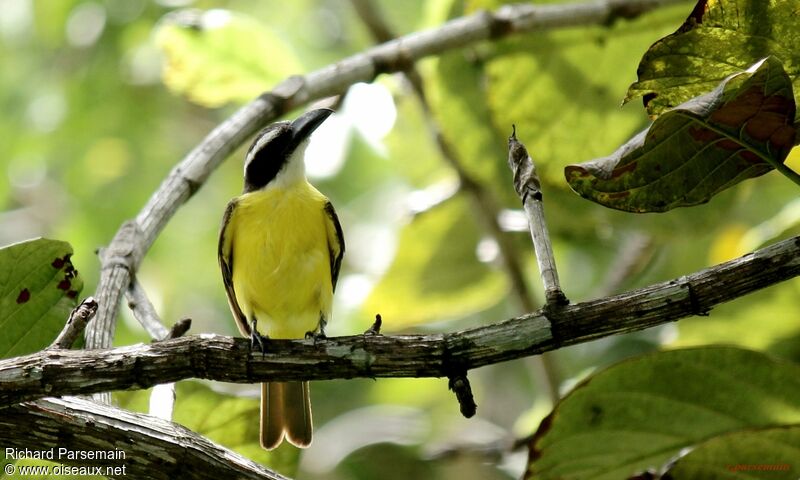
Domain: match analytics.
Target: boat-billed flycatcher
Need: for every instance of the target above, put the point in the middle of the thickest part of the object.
(280, 249)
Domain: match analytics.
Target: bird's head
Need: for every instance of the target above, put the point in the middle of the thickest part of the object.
(276, 155)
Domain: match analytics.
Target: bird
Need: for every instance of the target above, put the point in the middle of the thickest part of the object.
(280, 251)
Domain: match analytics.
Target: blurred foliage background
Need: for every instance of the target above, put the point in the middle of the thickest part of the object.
(101, 98)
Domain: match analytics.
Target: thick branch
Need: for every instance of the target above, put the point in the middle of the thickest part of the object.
(153, 448)
(64, 372)
(132, 241)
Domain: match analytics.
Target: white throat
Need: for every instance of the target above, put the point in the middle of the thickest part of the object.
(293, 171)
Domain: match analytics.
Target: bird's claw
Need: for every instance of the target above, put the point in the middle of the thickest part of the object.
(375, 329)
(257, 342)
(256, 339)
(316, 336)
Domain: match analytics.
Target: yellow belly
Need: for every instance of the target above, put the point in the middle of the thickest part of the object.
(281, 261)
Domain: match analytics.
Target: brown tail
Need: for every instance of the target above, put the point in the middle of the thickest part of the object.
(285, 411)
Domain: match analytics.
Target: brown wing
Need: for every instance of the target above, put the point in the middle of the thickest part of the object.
(335, 243)
(225, 257)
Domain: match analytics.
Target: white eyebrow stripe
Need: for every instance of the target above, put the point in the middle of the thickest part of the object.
(265, 136)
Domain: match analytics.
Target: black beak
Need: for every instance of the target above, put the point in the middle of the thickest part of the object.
(304, 126)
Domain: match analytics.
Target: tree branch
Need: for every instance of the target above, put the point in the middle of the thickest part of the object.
(153, 448)
(134, 238)
(64, 372)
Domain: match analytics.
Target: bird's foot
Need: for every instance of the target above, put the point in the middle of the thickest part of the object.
(320, 335)
(257, 340)
(375, 329)
(316, 336)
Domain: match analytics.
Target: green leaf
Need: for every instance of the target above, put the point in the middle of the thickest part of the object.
(436, 272)
(759, 453)
(561, 88)
(217, 56)
(740, 130)
(38, 289)
(718, 39)
(639, 413)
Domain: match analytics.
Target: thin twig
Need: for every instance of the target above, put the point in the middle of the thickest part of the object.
(527, 185)
(76, 323)
(228, 359)
(144, 311)
(123, 256)
(179, 329)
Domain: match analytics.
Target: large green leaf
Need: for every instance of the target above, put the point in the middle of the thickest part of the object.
(639, 413)
(436, 274)
(217, 56)
(38, 289)
(720, 37)
(769, 453)
(740, 130)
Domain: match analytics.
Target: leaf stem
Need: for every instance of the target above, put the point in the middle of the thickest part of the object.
(784, 169)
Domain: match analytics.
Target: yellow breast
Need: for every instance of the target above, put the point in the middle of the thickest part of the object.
(281, 260)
